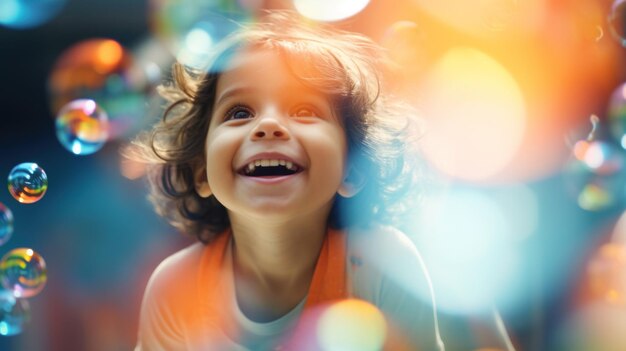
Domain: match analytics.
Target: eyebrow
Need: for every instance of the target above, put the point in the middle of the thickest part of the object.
(232, 92)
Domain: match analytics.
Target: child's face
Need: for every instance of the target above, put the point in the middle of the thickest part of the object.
(263, 114)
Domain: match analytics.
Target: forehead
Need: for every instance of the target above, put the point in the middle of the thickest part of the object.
(267, 70)
(263, 70)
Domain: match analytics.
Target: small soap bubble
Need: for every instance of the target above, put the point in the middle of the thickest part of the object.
(617, 115)
(14, 313)
(23, 272)
(28, 182)
(101, 70)
(617, 21)
(6, 223)
(82, 127)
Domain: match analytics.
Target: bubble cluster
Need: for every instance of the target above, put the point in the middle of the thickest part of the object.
(23, 272)
(22, 14)
(617, 21)
(27, 182)
(6, 223)
(82, 127)
(14, 313)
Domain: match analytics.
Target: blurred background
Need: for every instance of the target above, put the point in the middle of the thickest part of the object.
(524, 186)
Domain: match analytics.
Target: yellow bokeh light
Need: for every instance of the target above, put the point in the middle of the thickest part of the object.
(476, 115)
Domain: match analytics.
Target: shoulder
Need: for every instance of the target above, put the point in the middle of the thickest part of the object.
(177, 267)
(387, 270)
(386, 248)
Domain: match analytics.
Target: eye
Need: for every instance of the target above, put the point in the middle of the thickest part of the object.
(238, 112)
(304, 111)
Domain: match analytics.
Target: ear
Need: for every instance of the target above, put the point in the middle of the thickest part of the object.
(201, 182)
(353, 182)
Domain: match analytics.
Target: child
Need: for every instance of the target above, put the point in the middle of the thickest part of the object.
(284, 159)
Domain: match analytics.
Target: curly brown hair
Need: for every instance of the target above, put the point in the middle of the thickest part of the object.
(345, 66)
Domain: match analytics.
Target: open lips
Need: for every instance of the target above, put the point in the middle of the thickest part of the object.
(270, 167)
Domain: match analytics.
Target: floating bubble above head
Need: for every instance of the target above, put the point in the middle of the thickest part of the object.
(352, 324)
(6, 223)
(100, 70)
(21, 14)
(190, 28)
(617, 115)
(82, 127)
(594, 175)
(14, 313)
(329, 10)
(27, 182)
(23, 272)
(617, 21)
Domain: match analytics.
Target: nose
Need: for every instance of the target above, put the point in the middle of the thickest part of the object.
(269, 128)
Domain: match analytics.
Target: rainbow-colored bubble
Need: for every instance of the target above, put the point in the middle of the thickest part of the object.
(28, 182)
(14, 313)
(101, 70)
(6, 223)
(23, 272)
(82, 127)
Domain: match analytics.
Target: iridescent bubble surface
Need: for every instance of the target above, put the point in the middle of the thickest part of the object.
(82, 127)
(23, 272)
(22, 14)
(617, 21)
(352, 324)
(28, 182)
(14, 313)
(6, 223)
(617, 115)
(101, 70)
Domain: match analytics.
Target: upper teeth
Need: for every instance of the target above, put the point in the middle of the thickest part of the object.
(270, 163)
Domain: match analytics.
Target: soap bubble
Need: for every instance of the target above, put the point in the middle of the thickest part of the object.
(21, 14)
(14, 314)
(23, 272)
(82, 127)
(6, 223)
(28, 182)
(617, 21)
(101, 70)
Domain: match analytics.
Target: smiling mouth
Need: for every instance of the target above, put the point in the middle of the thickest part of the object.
(270, 168)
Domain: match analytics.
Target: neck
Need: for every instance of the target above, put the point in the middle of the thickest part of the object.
(274, 262)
